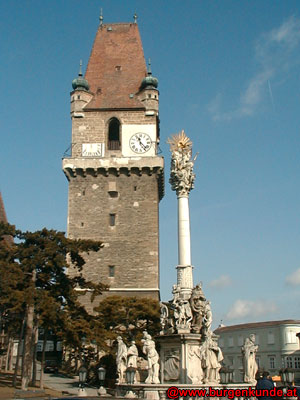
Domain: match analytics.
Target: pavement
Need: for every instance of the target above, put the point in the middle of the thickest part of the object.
(55, 386)
(66, 385)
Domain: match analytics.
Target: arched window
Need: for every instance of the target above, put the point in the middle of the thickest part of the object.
(114, 134)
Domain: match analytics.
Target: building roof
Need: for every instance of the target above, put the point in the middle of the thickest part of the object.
(2, 210)
(116, 67)
(253, 325)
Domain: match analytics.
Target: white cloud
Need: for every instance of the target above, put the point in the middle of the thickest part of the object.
(275, 53)
(249, 308)
(221, 282)
(293, 279)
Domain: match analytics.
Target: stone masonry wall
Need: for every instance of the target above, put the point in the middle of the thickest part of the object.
(131, 246)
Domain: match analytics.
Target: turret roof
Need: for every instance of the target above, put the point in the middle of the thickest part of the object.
(116, 67)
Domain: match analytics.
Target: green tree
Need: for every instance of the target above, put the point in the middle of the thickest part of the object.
(38, 285)
(129, 317)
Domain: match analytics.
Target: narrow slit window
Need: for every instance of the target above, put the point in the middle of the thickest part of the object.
(112, 219)
(114, 135)
(111, 271)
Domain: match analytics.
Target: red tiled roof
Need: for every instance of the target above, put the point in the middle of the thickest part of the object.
(2, 211)
(252, 325)
(116, 67)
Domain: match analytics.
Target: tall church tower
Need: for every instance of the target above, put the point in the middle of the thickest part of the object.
(115, 175)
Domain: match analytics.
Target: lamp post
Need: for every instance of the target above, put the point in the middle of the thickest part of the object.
(290, 375)
(82, 379)
(101, 376)
(130, 375)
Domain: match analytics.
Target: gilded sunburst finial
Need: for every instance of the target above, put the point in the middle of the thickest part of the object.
(180, 141)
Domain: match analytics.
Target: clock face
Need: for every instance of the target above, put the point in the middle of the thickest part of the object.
(93, 149)
(140, 143)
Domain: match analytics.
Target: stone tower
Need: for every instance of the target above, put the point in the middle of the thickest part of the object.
(115, 175)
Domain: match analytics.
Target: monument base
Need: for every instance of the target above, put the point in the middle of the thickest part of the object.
(180, 358)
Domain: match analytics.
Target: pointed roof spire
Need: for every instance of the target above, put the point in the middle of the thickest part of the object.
(149, 81)
(80, 83)
(117, 66)
(101, 17)
(2, 211)
(149, 67)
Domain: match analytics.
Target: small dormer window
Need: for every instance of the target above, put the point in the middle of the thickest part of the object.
(114, 134)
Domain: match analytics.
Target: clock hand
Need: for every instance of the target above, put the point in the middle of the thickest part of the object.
(141, 143)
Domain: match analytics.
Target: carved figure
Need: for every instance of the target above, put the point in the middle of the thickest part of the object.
(194, 370)
(197, 302)
(176, 294)
(132, 355)
(183, 314)
(171, 365)
(212, 356)
(182, 176)
(207, 319)
(166, 321)
(249, 350)
(121, 359)
(152, 358)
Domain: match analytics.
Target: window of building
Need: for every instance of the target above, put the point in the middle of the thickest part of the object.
(290, 337)
(271, 338)
(49, 346)
(230, 341)
(240, 340)
(59, 346)
(114, 134)
(297, 362)
(39, 346)
(111, 271)
(221, 342)
(272, 362)
(113, 194)
(230, 361)
(112, 219)
(256, 339)
(289, 362)
(257, 361)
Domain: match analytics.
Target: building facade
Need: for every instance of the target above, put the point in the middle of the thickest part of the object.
(278, 345)
(116, 177)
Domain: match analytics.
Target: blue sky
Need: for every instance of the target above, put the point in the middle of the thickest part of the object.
(229, 75)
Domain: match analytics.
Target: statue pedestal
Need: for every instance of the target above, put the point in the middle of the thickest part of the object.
(179, 359)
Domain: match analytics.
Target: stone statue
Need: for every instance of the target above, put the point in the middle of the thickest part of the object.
(211, 360)
(182, 176)
(152, 358)
(194, 367)
(249, 350)
(183, 315)
(132, 355)
(166, 322)
(207, 319)
(121, 359)
(197, 302)
(171, 365)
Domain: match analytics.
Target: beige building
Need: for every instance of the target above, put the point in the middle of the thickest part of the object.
(116, 177)
(278, 345)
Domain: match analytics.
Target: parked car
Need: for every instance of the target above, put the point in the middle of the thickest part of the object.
(51, 366)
